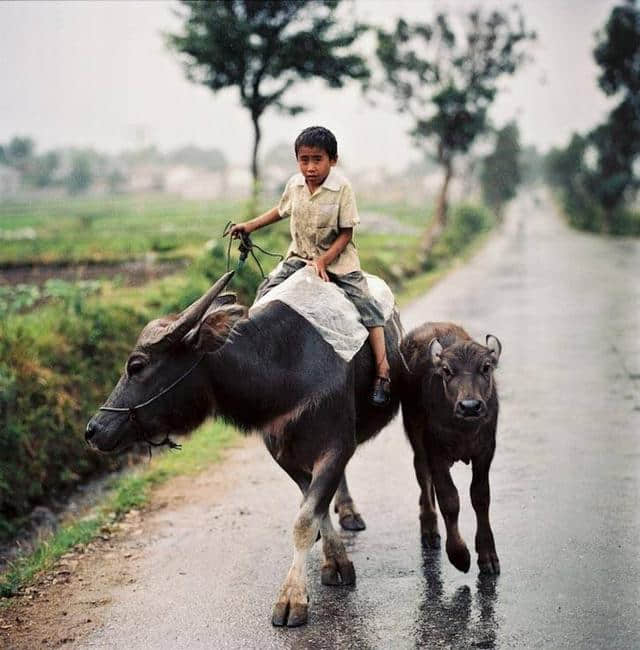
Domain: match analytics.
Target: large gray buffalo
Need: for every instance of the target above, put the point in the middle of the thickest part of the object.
(271, 373)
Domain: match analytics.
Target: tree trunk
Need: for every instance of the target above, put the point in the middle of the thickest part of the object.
(435, 229)
(255, 172)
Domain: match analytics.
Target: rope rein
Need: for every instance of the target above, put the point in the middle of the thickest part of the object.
(246, 248)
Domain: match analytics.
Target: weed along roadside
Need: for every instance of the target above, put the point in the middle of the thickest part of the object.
(58, 362)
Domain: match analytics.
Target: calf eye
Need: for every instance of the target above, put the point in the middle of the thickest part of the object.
(135, 364)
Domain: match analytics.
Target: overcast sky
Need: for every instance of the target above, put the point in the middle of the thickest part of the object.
(99, 74)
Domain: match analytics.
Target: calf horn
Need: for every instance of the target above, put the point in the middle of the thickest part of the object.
(193, 313)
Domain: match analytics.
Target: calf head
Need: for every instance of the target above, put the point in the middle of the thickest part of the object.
(170, 353)
(466, 371)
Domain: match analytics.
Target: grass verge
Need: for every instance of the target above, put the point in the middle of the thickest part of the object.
(131, 490)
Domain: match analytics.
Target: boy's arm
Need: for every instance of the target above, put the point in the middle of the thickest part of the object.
(321, 263)
(269, 217)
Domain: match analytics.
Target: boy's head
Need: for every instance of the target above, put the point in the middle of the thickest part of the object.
(318, 137)
(316, 152)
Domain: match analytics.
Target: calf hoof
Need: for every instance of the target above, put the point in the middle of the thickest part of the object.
(459, 556)
(489, 566)
(335, 573)
(352, 521)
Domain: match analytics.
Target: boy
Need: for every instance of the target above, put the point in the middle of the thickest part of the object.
(322, 208)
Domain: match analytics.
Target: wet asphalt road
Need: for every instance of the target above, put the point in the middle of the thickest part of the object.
(565, 488)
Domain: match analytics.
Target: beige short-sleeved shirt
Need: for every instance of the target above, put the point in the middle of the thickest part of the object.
(316, 219)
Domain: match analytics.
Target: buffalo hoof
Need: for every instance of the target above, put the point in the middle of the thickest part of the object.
(352, 521)
(335, 573)
(431, 539)
(489, 566)
(290, 616)
(292, 607)
(459, 556)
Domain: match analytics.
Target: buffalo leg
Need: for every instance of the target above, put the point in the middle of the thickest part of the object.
(428, 515)
(292, 605)
(337, 568)
(348, 516)
(480, 498)
(449, 502)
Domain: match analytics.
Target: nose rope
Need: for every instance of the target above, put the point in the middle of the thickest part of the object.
(132, 412)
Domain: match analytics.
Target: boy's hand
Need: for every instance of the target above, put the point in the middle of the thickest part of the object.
(239, 228)
(320, 267)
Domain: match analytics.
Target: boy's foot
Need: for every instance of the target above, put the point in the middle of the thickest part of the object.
(381, 393)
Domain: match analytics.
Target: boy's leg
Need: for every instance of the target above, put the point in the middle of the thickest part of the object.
(289, 267)
(376, 338)
(355, 286)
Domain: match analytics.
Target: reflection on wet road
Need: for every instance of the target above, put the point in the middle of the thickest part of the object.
(565, 487)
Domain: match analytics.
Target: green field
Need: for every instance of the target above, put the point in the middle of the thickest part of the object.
(119, 228)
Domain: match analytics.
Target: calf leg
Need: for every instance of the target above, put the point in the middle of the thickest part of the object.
(337, 568)
(449, 502)
(292, 605)
(485, 546)
(348, 516)
(428, 515)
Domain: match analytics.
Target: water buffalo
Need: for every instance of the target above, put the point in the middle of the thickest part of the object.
(450, 412)
(271, 373)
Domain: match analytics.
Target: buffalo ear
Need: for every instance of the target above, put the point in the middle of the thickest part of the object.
(435, 350)
(493, 343)
(222, 300)
(212, 331)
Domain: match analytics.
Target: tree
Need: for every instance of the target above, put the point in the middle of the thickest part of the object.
(43, 169)
(501, 173)
(447, 81)
(80, 177)
(263, 49)
(617, 141)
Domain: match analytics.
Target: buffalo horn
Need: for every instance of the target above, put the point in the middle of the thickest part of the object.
(195, 311)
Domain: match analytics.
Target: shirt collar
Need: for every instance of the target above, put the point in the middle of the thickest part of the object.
(332, 182)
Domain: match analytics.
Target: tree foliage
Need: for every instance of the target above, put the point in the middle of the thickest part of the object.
(264, 48)
(501, 171)
(597, 173)
(447, 79)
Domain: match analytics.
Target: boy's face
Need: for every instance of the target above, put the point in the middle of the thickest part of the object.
(314, 164)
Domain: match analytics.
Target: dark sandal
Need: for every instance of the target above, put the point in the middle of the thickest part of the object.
(381, 393)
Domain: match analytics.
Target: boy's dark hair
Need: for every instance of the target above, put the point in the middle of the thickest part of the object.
(318, 136)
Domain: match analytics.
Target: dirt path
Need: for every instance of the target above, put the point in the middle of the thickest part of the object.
(71, 601)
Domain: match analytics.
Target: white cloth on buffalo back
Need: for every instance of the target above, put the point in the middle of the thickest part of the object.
(328, 309)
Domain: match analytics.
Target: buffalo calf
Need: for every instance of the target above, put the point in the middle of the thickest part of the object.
(450, 411)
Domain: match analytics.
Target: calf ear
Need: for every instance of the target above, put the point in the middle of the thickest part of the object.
(435, 350)
(493, 343)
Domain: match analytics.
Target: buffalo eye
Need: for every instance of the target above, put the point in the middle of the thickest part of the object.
(135, 365)
(486, 368)
(446, 371)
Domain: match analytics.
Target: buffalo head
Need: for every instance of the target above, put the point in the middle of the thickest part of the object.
(170, 349)
(466, 371)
